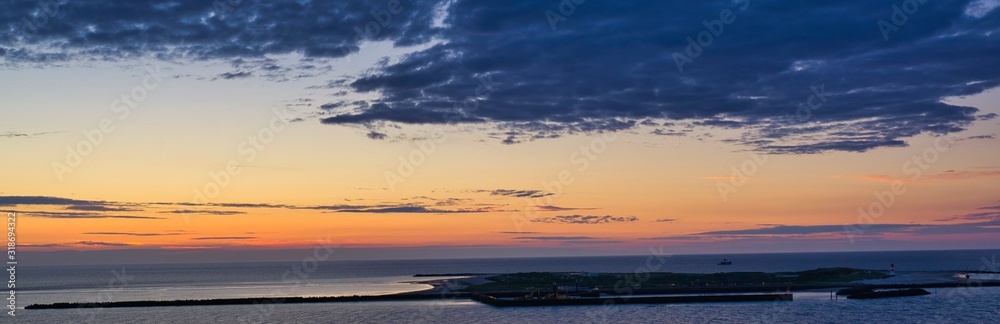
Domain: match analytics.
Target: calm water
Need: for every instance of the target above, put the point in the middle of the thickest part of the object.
(197, 281)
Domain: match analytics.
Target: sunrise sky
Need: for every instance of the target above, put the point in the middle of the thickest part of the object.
(181, 131)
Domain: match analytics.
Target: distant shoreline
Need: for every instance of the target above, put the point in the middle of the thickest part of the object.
(453, 288)
(433, 296)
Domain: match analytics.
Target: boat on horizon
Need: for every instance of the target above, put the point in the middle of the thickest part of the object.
(725, 262)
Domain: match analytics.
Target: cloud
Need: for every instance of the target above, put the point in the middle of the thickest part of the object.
(662, 132)
(228, 205)
(666, 220)
(367, 208)
(555, 238)
(588, 219)
(979, 137)
(96, 243)
(557, 208)
(24, 135)
(449, 201)
(988, 216)
(808, 229)
(131, 234)
(518, 193)
(210, 238)
(74, 204)
(235, 75)
(876, 92)
(611, 66)
(244, 205)
(974, 228)
(568, 239)
(77, 244)
(377, 136)
(47, 245)
(205, 212)
(75, 215)
(41, 200)
(99, 207)
(863, 229)
(980, 8)
(200, 30)
(412, 210)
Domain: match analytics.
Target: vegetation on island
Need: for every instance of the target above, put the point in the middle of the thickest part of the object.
(529, 281)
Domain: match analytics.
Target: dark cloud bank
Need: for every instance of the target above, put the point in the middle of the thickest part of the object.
(609, 66)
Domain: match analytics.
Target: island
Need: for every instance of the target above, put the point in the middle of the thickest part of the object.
(589, 288)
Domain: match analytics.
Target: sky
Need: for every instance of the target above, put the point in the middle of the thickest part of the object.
(200, 131)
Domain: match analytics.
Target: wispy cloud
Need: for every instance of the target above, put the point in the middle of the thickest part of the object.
(980, 227)
(517, 193)
(223, 238)
(97, 243)
(205, 212)
(978, 137)
(662, 132)
(556, 238)
(24, 135)
(586, 219)
(228, 205)
(568, 239)
(808, 229)
(77, 244)
(557, 208)
(412, 210)
(457, 206)
(42, 200)
(132, 234)
(101, 207)
(991, 215)
(80, 215)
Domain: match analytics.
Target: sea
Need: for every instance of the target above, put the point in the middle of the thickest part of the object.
(103, 283)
